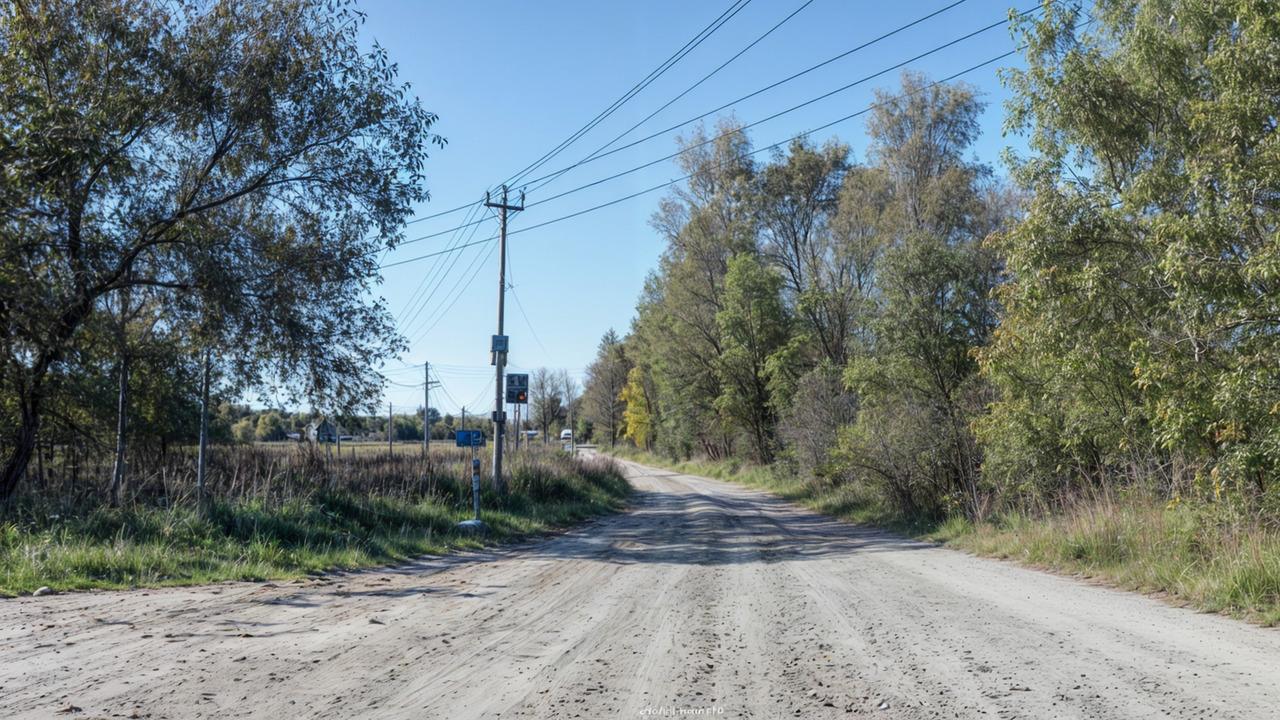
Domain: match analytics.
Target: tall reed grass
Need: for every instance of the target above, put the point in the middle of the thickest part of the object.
(282, 511)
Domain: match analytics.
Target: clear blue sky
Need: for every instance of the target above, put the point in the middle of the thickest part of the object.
(510, 80)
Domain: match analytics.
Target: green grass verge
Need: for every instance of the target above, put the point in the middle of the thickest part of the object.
(146, 546)
(1196, 556)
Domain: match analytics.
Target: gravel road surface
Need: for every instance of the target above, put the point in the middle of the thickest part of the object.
(705, 600)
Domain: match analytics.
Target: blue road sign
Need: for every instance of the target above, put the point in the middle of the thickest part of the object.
(469, 438)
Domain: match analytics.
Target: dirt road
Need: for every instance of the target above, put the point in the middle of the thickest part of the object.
(705, 598)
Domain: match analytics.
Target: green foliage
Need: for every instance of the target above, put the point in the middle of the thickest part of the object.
(238, 164)
(813, 261)
(753, 326)
(1138, 340)
(914, 374)
(676, 339)
(270, 427)
(606, 376)
(637, 418)
(244, 431)
(1035, 372)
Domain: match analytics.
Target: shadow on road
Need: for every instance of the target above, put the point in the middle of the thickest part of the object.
(687, 527)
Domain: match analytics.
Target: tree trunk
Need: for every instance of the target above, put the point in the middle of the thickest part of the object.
(29, 402)
(24, 442)
(122, 414)
(204, 433)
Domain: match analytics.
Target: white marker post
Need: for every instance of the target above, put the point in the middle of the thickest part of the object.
(475, 439)
(475, 483)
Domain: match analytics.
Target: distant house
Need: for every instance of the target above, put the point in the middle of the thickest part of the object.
(322, 432)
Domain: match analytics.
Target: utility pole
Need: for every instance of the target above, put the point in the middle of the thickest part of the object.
(390, 450)
(500, 354)
(426, 409)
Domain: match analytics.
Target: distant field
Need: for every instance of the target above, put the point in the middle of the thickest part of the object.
(404, 447)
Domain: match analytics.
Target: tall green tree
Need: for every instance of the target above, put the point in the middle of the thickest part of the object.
(916, 375)
(753, 326)
(676, 337)
(797, 200)
(606, 376)
(1139, 340)
(546, 400)
(250, 157)
(637, 416)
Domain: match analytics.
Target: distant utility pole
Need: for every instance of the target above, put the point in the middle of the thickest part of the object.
(426, 409)
(573, 431)
(500, 353)
(390, 450)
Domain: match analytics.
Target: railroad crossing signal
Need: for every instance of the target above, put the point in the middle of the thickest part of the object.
(518, 388)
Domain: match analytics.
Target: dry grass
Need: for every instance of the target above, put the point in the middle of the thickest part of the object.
(1199, 555)
(280, 512)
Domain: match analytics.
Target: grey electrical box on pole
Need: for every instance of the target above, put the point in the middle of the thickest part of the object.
(500, 344)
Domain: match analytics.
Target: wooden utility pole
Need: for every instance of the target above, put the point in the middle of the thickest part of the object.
(573, 429)
(500, 355)
(426, 408)
(390, 421)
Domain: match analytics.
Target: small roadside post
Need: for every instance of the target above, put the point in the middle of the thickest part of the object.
(473, 439)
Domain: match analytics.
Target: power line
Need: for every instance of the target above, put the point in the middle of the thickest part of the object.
(653, 75)
(433, 318)
(774, 116)
(476, 203)
(440, 280)
(668, 183)
(478, 399)
(476, 368)
(442, 213)
(427, 277)
(686, 91)
(523, 314)
(445, 390)
(806, 71)
(389, 371)
(445, 311)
